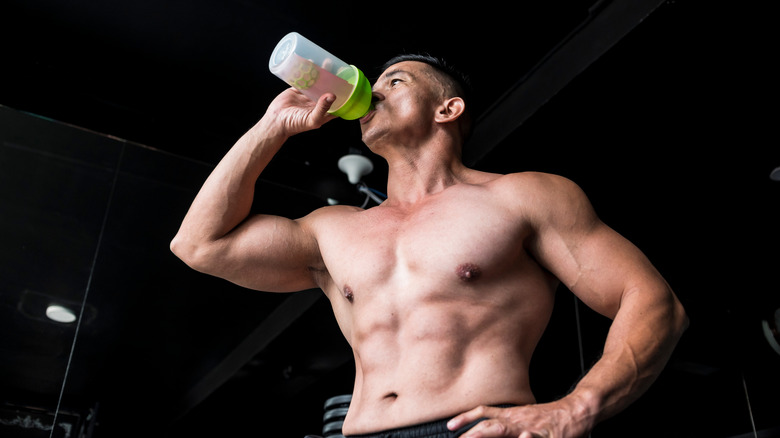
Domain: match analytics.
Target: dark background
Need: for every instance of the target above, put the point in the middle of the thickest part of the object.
(112, 114)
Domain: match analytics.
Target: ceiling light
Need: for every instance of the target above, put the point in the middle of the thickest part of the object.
(60, 314)
(355, 166)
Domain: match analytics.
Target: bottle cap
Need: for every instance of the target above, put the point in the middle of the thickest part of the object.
(358, 104)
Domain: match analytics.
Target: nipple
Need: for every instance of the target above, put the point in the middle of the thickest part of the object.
(468, 271)
(348, 294)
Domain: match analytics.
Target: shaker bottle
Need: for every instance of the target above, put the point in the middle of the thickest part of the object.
(314, 72)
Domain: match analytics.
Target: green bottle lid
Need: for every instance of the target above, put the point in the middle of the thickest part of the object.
(358, 104)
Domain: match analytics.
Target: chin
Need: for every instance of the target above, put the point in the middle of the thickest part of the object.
(369, 136)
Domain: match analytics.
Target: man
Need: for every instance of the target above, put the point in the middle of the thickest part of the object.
(443, 290)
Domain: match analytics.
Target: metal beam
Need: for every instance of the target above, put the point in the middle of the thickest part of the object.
(608, 21)
(272, 327)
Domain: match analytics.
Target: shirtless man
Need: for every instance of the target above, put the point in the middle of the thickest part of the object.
(443, 290)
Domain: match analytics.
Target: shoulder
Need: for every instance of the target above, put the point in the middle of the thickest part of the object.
(324, 219)
(329, 214)
(537, 187)
(544, 198)
(534, 182)
(520, 182)
(530, 189)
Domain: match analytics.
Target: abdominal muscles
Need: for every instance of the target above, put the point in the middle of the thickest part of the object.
(423, 362)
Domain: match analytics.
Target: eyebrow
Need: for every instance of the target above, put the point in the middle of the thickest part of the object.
(397, 72)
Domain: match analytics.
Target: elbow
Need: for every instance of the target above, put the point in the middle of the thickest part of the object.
(679, 318)
(682, 319)
(182, 249)
(176, 247)
(189, 252)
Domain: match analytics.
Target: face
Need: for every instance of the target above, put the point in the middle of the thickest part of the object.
(406, 97)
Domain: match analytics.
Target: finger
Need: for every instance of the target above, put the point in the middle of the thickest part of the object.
(470, 416)
(491, 429)
(527, 434)
(325, 102)
(319, 114)
(499, 431)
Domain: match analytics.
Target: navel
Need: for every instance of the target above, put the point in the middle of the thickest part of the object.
(348, 294)
(468, 271)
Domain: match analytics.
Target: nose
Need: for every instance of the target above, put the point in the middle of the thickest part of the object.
(376, 97)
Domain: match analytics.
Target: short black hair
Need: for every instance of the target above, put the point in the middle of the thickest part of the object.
(440, 64)
(461, 80)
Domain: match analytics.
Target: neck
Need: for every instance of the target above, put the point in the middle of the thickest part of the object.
(414, 173)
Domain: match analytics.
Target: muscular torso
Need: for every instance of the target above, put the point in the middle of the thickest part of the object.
(441, 303)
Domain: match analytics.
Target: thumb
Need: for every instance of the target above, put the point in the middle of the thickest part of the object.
(319, 114)
(325, 102)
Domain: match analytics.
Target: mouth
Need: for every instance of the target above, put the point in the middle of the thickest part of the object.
(367, 117)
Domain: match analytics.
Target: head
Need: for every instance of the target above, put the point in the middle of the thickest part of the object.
(432, 81)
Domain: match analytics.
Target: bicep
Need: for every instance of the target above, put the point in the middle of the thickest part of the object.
(267, 253)
(591, 259)
(604, 268)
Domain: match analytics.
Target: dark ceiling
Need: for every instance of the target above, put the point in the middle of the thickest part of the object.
(113, 113)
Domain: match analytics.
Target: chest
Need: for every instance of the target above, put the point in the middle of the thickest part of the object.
(425, 248)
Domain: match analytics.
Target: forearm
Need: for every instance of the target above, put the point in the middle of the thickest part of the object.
(640, 341)
(226, 197)
(218, 237)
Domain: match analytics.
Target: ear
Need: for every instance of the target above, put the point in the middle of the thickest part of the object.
(450, 110)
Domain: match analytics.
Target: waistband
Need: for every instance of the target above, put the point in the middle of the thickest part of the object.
(432, 429)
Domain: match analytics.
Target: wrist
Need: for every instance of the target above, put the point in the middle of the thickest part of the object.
(585, 407)
(272, 128)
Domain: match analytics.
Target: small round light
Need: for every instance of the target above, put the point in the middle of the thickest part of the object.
(60, 314)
